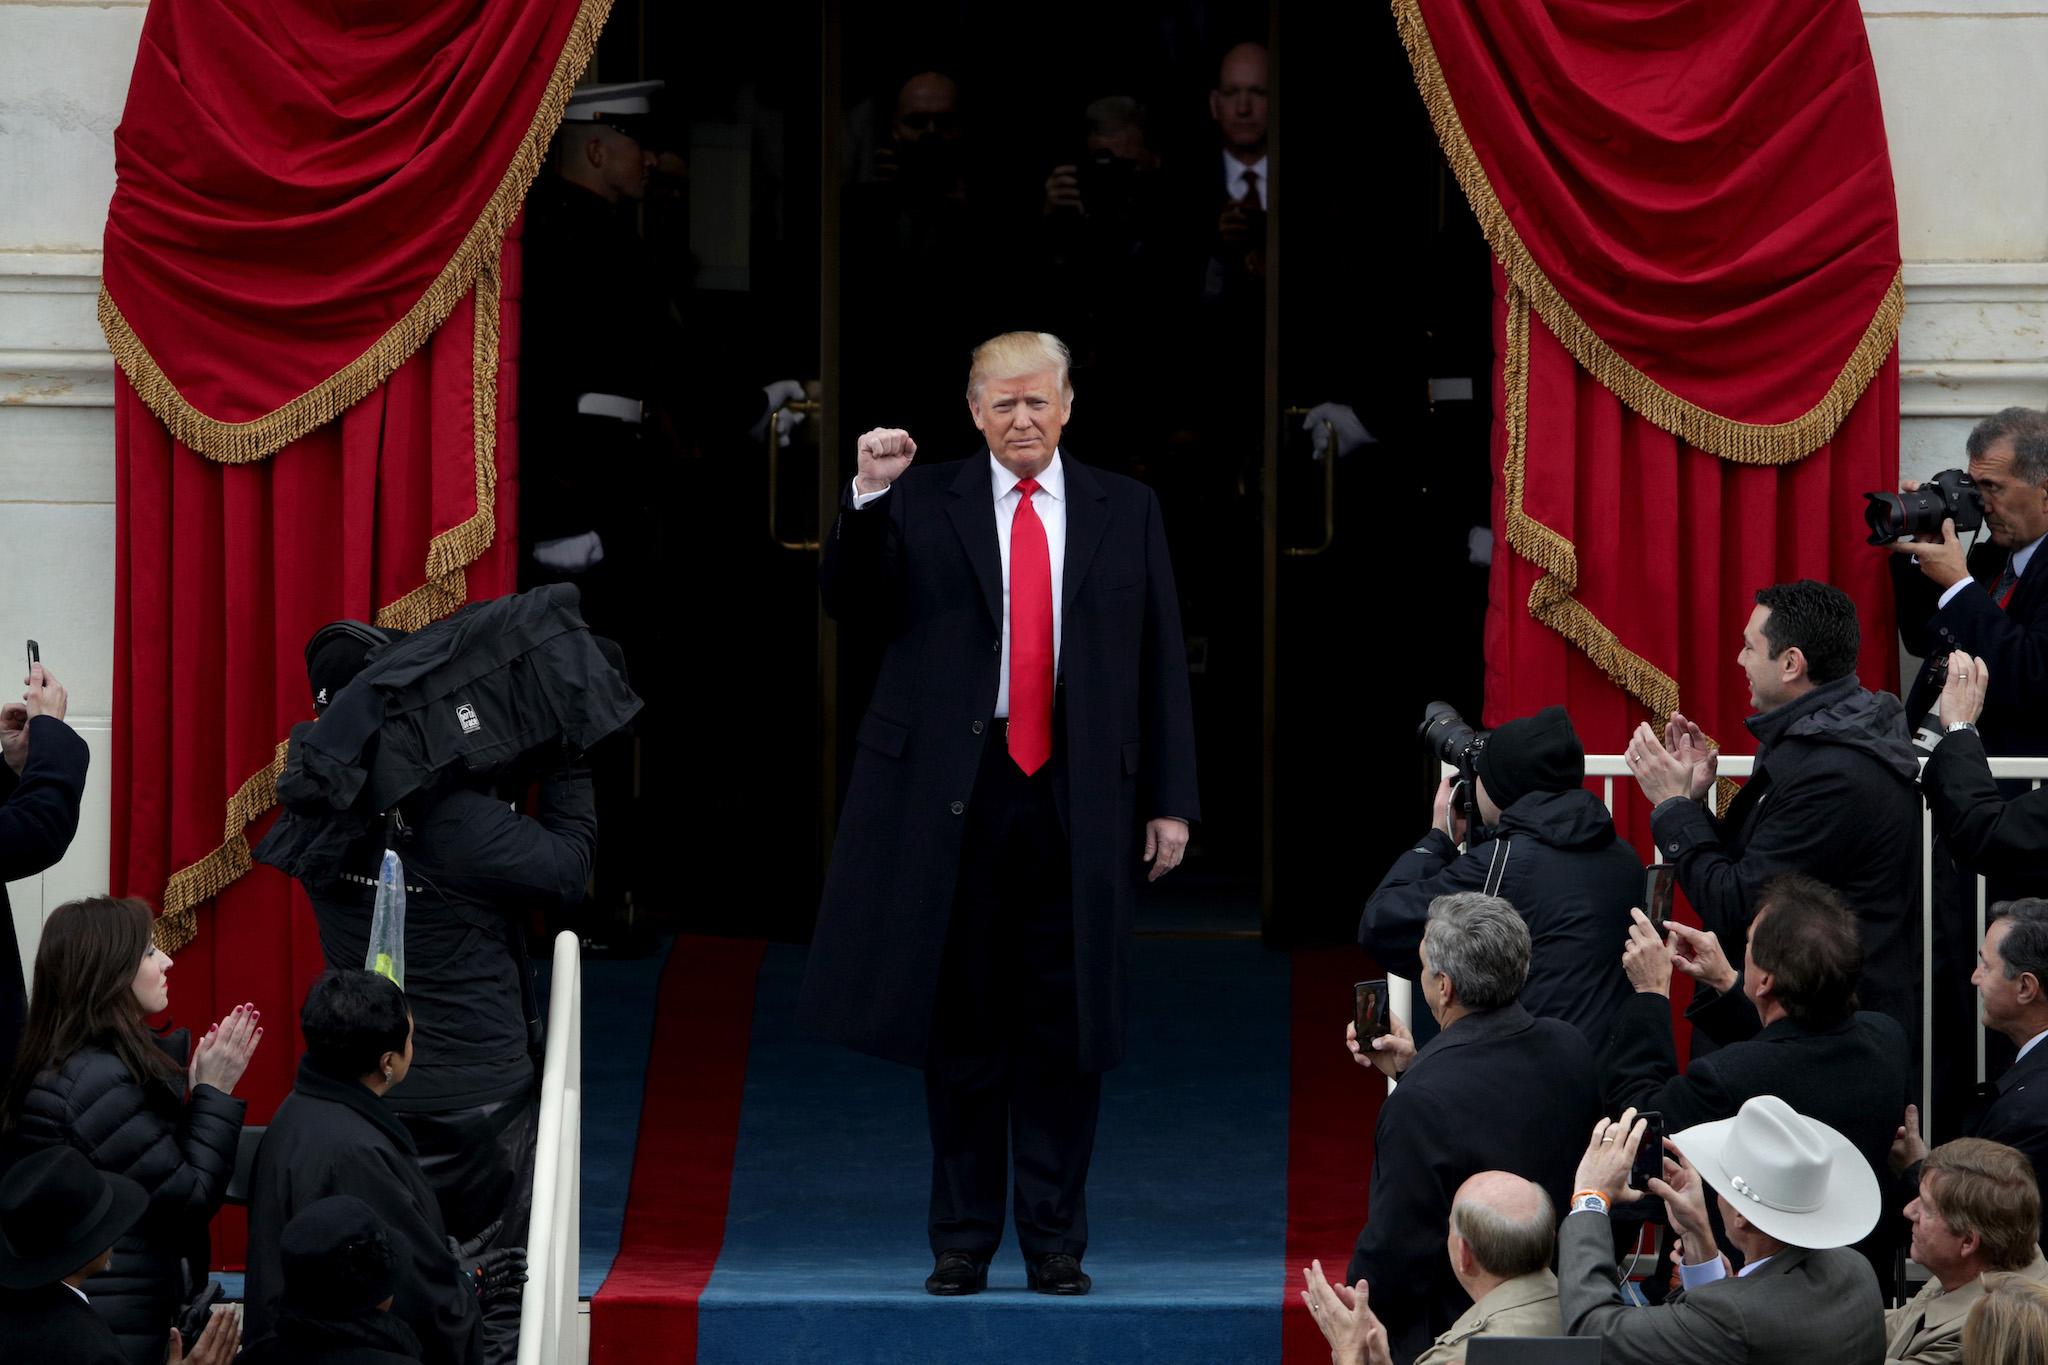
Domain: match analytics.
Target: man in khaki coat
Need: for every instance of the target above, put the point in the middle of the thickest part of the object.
(1974, 1224)
(1501, 1234)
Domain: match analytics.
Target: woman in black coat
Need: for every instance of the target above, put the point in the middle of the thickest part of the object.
(92, 1076)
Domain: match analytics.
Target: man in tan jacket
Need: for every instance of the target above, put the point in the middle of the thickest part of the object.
(1501, 1234)
(1974, 1224)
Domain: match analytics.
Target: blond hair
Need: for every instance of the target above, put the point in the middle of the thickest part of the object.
(2008, 1326)
(1019, 353)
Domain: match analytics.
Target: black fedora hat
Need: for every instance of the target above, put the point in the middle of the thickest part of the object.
(57, 1212)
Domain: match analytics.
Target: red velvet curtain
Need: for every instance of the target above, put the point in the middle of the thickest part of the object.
(223, 572)
(307, 265)
(1697, 303)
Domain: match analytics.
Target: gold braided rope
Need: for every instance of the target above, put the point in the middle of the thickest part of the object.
(243, 442)
(449, 554)
(1742, 442)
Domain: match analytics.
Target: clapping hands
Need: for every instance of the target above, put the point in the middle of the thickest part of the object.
(223, 1054)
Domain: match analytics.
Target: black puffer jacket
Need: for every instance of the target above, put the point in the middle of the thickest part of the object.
(182, 1152)
(1562, 869)
(1833, 796)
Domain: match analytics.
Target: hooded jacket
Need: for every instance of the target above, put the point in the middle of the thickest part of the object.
(1562, 869)
(1832, 795)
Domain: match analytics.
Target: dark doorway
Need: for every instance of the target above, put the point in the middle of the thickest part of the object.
(859, 197)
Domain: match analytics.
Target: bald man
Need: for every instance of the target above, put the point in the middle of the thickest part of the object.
(1501, 1235)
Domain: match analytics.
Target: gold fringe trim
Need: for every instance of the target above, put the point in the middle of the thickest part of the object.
(449, 556)
(1742, 442)
(243, 442)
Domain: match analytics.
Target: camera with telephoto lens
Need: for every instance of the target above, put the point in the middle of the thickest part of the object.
(1949, 494)
(1454, 743)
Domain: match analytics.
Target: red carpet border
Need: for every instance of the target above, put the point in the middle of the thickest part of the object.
(646, 1310)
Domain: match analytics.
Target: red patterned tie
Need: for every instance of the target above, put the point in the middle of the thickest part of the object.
(1030, 636)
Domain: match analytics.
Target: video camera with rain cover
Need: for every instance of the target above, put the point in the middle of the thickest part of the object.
(1951, 494)
(1457, 745)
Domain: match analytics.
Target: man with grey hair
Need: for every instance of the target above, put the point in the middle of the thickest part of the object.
(1990, 602)
(1496, 1090)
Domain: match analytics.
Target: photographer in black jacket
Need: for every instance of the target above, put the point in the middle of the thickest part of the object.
(475, 869)
(1549, 849)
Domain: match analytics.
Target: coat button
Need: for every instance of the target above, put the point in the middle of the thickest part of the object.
(977, 727)
(958, 807)
(1671, 848)
(996, 647)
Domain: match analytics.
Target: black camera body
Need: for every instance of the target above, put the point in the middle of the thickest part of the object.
(1454, 743)
(1951, 494)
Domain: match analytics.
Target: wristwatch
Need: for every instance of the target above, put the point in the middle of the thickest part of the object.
(1956, 725)
(1589, 1201)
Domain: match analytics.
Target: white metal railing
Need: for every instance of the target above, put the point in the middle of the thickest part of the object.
(548, 1329)
(1608, 767)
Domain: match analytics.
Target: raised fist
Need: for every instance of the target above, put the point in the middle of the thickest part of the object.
(885, 453)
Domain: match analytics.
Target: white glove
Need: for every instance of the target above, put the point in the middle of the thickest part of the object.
(781, 392)
(1351, 433)
(571, 554)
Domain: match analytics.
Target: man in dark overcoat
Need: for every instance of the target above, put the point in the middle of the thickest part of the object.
(1029, 750)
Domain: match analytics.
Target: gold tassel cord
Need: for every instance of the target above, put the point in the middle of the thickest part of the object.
(244, 442)
(1742, 442)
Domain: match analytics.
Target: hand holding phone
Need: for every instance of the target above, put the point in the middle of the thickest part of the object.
(1660, 888)
(1649, 1162)
(1369, 1010)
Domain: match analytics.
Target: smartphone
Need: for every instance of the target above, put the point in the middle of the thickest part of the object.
(1650, 1156)
(35, 655)
(1369, 1008)
(1660, 884)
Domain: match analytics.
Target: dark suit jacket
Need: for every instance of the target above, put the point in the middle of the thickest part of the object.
(2013, 644)
(1801, 1307)
(54, 1325)
(921, 565)
(2014, 1110)
(1986, 834)
(38, 816)
(1495, 1091)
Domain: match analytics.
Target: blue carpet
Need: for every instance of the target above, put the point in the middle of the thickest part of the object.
(825, 1248)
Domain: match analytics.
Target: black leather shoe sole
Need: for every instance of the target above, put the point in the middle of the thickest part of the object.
(1069, 1279)
(954, 1278)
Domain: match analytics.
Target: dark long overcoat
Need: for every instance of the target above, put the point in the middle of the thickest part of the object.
(921, 566)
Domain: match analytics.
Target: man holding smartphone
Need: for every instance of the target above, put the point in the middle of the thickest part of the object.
(42, 781)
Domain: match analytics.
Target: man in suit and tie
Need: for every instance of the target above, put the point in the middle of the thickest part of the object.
(2011, 969)
(1028, 752)
(1985, 601)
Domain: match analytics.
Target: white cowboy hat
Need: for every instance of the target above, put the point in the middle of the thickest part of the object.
(1796, 1179)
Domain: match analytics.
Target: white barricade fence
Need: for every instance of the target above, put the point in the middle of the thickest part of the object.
(1610, 767)
(549, 1333)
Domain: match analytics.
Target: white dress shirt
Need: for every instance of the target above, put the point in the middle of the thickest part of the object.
(1693, 1276)
(2030, 1046)
(1050, 503)
(1233, 177)
(2020, 559)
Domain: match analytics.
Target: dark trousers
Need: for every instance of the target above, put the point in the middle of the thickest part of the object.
(479, 1161)
(1002, 1076)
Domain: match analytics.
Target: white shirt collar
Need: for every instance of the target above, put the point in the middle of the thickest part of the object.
(1052, 482)
(76, 1290)
(2033, 1040)
(2020, 559)
(1233, 176)
(1751, 1267)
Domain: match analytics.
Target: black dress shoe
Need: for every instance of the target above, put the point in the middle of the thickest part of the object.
(1057, 1274)
(955, 1273)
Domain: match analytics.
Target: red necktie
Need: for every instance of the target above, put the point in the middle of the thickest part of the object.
(1251, 198)
(1030, 636)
